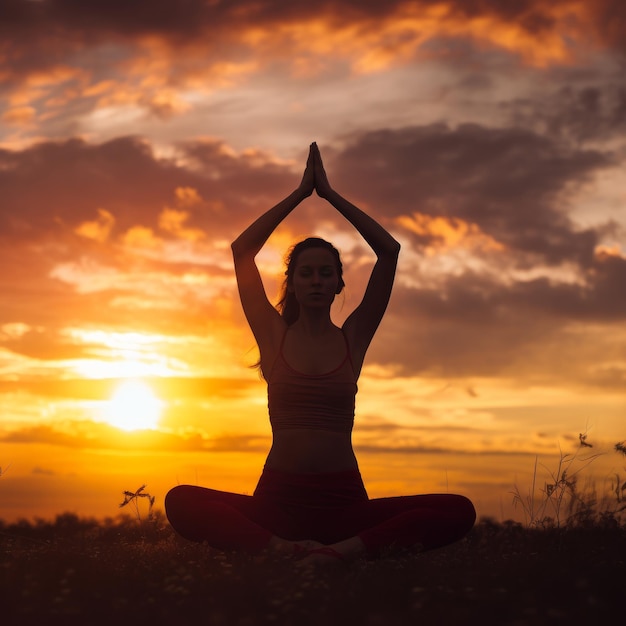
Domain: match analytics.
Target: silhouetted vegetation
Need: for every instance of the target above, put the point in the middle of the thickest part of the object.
(125, 570)
(562, 501)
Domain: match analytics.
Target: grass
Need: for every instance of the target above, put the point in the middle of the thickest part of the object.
(561, 501)
(125, 571)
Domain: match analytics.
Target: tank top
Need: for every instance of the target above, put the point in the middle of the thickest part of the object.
(311, 401)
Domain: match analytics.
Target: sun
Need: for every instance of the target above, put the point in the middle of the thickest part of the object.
(133, 407)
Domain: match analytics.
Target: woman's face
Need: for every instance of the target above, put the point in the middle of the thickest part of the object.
(315, 279)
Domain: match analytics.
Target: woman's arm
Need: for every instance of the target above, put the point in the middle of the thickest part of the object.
(381, 242)
(252, 239)
(364, 320)
(262, 317)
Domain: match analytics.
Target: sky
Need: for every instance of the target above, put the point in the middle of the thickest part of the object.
(137, 140)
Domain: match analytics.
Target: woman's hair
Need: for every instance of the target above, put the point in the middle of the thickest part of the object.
(287, 304)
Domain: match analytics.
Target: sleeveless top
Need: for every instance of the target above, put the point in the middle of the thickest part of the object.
(311, 401)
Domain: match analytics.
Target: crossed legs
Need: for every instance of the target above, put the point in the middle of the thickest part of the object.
(229, 521)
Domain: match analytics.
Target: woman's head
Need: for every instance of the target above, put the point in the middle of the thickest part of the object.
(308, 261)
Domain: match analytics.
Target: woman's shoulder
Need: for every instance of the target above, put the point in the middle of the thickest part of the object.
(270, 342)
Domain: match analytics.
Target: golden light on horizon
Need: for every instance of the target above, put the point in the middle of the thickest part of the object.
(130, 355)
(133, 407)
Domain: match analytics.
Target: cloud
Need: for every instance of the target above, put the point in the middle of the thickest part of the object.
(152, 59)
(513, 184)
(474, 325)
(43, 471)
(96, 436)
(587, 112)
(109, 187)
(91, 231)
(171, 388)
(192, 20)
(493, 266)
(509, 186)
(370, 438)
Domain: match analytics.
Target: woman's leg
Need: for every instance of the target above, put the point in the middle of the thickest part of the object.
(224, 520)
(429, 521)
(424, 521)
(340, 514)
(231, 521)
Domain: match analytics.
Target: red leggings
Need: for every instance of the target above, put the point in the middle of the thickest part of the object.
(325, 507)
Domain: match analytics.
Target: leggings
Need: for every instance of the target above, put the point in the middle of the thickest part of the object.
(328, 508)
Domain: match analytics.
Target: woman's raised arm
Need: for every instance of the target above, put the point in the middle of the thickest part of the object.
(261, 315)
(364, 320)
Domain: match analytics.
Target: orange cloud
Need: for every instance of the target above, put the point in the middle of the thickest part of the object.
(99, 229)
(173, 221)
(19, 116)
(443, 233)
(141, 237)
(163, 71)
(187, 196)
(542, 36)
(604, 253)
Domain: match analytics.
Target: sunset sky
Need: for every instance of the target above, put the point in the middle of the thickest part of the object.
(138, 139)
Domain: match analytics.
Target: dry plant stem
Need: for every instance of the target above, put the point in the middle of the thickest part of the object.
(133, 496)
(562, 490)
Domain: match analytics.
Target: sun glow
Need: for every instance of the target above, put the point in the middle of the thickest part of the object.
(133, 407)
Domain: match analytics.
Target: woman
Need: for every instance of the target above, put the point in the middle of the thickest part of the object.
(310, 500)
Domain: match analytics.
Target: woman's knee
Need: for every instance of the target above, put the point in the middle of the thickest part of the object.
(467, 506)
(178, 502)
(465, 514)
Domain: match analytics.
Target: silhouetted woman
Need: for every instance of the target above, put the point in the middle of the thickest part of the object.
(310, 500)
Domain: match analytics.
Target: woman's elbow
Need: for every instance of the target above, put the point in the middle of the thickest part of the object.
(393, 249)
(238, 248)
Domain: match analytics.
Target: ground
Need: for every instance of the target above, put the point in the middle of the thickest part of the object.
(124, 571)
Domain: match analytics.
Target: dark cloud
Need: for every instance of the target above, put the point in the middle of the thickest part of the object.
(143, 17)
(609, 18)
(54, 186)
(474, 325)
(578, 113)
(42, 34)
(511, 182)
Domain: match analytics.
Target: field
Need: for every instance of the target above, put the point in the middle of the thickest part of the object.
(127, 571)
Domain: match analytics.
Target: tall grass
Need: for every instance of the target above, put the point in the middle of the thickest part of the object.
(133, 497)
(561, 501)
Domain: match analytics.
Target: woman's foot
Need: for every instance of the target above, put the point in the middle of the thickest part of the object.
(323, 557)
(341, 552)
(293, 549)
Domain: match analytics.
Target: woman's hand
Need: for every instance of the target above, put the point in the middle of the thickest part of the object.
(322, 186)
(308, 179)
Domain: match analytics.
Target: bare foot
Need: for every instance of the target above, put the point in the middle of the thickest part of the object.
(295, 549)
(336, 554)
(324, 556)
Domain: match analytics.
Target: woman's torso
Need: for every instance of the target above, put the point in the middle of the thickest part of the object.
(311, 389)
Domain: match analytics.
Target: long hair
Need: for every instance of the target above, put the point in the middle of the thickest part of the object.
(287, 304)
